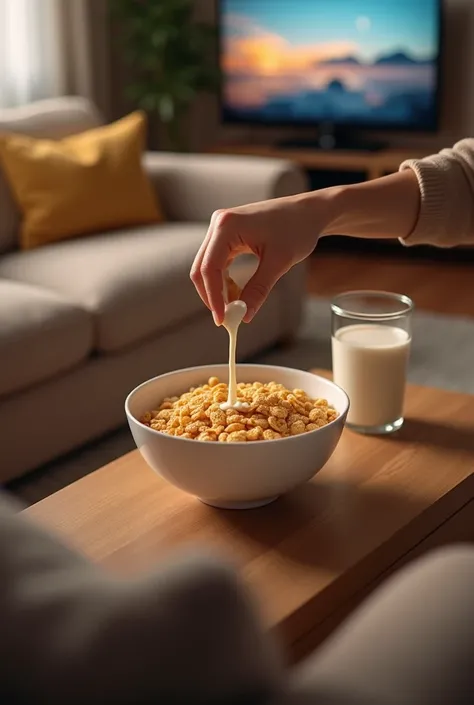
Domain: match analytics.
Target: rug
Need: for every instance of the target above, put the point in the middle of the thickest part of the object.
(442, 356)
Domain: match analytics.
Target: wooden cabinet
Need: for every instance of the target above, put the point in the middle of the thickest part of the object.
(371, 164)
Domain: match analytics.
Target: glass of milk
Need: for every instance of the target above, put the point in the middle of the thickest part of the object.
(371, 337)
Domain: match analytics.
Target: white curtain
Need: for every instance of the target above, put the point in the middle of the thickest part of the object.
(30, 51)
(54, 47)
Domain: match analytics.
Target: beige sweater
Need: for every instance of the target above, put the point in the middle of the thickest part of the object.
(447, 197)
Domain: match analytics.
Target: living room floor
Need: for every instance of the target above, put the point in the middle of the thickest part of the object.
(435, 286)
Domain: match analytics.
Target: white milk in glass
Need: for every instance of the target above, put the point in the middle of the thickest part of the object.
(370, 363)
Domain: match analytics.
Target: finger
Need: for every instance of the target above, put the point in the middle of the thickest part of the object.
(260, 285)
(196, 274)
(219, 253)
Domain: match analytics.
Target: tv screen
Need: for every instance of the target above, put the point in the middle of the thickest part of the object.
(357, 63)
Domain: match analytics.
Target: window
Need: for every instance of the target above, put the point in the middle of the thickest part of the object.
(30, 52)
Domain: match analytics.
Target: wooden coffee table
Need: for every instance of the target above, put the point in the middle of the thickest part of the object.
(314, 554)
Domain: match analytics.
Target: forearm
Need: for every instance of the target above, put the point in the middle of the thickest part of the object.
(384, 208)
(429, 201)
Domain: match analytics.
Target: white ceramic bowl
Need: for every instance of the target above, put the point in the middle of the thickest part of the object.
(235, 475)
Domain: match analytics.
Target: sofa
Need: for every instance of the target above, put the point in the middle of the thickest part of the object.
(83, 321)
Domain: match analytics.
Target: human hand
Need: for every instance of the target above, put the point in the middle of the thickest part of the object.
(279, 232)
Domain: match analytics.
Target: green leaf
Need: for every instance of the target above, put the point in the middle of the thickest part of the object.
(148, 103)
(185, 94)
(133, 92)
(166, 108)
(158, 38)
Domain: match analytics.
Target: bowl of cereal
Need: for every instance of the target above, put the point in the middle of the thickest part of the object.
(286, 428)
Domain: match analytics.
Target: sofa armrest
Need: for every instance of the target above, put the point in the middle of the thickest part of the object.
(192, 186)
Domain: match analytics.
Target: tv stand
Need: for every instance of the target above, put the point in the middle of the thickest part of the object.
(358, 145)
(330, 138)
(368, 164)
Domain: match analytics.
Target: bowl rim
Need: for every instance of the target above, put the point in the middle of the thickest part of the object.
(225, 365)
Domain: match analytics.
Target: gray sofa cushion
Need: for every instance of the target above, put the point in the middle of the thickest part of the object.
(40, 336)
(134, 282)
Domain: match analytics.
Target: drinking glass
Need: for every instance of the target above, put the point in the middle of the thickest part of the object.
(371, 338)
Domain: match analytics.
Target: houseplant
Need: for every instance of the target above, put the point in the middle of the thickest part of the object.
(172, 59)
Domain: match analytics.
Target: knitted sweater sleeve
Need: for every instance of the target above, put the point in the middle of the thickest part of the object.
(446, 181)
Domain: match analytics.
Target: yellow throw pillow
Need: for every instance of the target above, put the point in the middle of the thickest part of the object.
(90, 182)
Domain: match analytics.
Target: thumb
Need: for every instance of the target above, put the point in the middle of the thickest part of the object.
(260, 285)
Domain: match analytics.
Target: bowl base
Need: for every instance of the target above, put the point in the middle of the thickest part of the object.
(255, 504)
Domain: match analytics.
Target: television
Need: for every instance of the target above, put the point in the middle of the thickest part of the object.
(340, 65)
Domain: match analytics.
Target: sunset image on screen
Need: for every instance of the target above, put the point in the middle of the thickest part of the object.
(367, 61)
